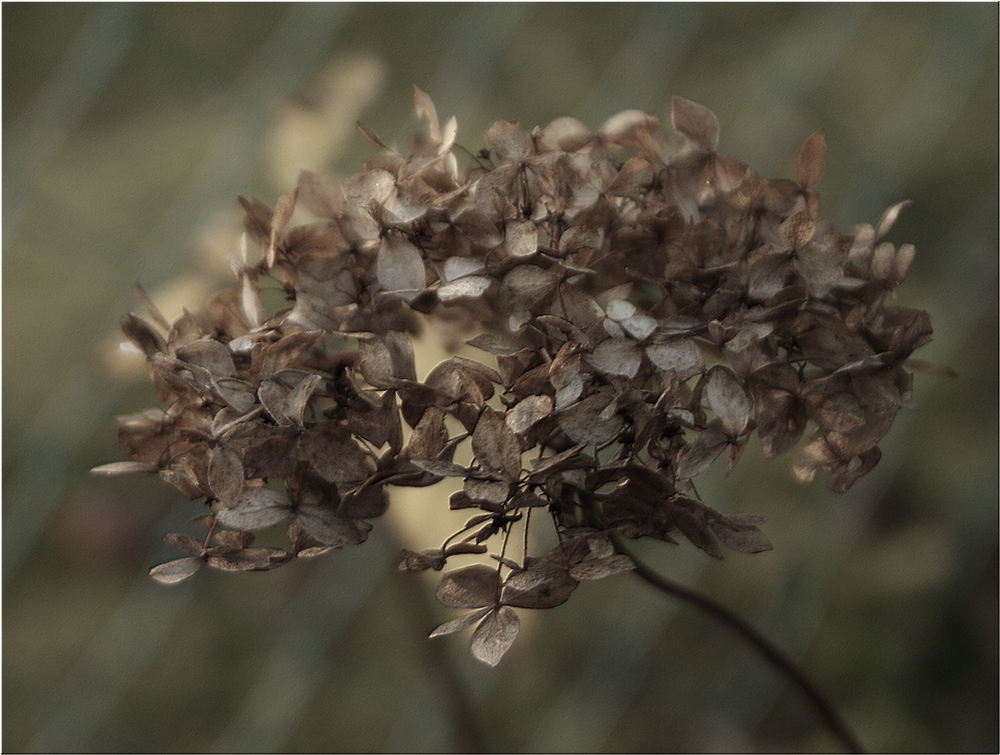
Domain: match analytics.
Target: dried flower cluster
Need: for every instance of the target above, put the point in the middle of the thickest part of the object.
(643, 306)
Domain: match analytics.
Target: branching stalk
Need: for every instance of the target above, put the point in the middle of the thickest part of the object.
(772, 654)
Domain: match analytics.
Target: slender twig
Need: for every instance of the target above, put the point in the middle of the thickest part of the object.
(836, 725)
(469, 736)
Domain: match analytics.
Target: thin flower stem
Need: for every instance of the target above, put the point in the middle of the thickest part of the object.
(831, 719)
(467, 730)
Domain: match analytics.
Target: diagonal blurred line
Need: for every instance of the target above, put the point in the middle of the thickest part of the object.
(83, 398)
(81, 77)
(294, 671)
(114, 662)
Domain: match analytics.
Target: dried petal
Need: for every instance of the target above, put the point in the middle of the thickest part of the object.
(475, 586)
(599, 568)
(696, 122)
(725, 396)
(528, 412)
(617, 356)
(329, 528)
(539, 586)
(176, 571)
(399, 266)
(493, 638)
(225, 475)
(256, 509)
(812, 159)
(508, 141)
(699, 454)
(457, 625)
(335, 455)
(496, 446)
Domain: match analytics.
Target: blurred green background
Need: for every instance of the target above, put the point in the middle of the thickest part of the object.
(128, 131)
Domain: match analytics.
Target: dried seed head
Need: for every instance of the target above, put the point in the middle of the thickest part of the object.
(647, 309)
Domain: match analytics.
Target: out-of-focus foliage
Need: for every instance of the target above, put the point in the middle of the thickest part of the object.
(128, 132)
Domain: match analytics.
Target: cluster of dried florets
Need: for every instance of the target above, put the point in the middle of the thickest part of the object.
(645, 306)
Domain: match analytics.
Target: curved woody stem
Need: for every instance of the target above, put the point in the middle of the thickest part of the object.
(831, 719)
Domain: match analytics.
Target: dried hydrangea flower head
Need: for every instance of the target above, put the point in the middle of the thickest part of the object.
(642, 309)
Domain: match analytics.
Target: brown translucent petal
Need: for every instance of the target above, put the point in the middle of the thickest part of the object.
(489, 494)
(371, 135)
(617, 356)
(320, 194)
(176, 571)
(508, 141)
(266, 451)
(469, 287)
(475, 586)
(528, 413)
(148, 306)
(493, 638)
(797, 230)
(143, 335)
(522, 238)
(335, 455)
(249, 559)
(781, 420)
(239, 394)
(125, 467)
(272, 394)
(145, 435)
(298, 398)
(696, 122)
(225, 475)
(678, 353)
(375, 418)
(845, 475)
(496, 447)
(812, 159)
(429, 436)
(539, 586)
(724, 395)
(566, 134)
(440, 467)
(624, 128)
(233, 540)
(457, 625)
(181, 475)
(257, 219)
(598, 568)
(813, 457)
(889, 218)
(330, 528)
(400, 267)
(256, 509)
(376, 363)
(425, 109)
(698, 455)
(367, 503)
(585, 423)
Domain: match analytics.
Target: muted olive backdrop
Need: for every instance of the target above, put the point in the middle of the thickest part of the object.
(128, 131)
